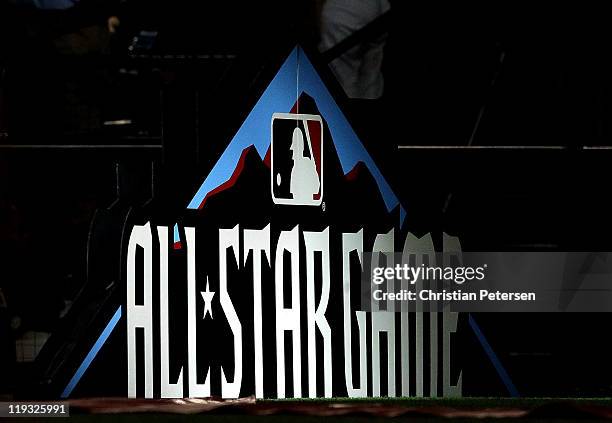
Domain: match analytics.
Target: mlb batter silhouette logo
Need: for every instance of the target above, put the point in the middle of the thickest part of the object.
(297, 159)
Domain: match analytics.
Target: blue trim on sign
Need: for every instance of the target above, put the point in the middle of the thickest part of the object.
(177, 237)
(92, 353)
(501, 371)
(280, 96)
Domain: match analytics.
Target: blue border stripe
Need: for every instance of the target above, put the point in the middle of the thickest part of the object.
(92, 353)
(501, 371)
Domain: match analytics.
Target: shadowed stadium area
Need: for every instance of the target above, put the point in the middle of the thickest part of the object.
(490, 126)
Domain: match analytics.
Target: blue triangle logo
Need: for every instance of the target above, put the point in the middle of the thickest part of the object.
(296, 76)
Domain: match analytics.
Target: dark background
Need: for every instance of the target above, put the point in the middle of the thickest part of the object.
(469, 74)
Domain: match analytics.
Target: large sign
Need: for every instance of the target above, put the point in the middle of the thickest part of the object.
(255, 291)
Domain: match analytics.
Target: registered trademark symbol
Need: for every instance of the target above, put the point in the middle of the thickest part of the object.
(323, 206)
